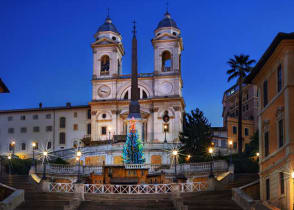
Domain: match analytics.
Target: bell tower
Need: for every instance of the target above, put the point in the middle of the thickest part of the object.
(107, 51)
(168, 46)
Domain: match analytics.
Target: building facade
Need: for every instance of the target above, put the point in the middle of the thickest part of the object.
(104, 119)
(274, 77)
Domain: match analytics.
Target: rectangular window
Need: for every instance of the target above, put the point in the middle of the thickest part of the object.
(234, 130)
(49, 145)
(36, 129)
(282, 185)
(62, 138)
(265, 96)
(103, 130)
(10, 118)
(10, 130)
(62, 122)
(22, 117)
(48, 116)
(279, 78)
(75, 127)
(48, 128)
(75, 114)
(89, 114)
(266, 144)
(89, 129)
(246, 106)
(246, 132)
(267, 185)
(23, 130)
(23, 146)
(35, 117)
(281, 133)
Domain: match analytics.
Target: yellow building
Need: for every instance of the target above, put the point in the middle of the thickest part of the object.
(248, 129)
(274, 77)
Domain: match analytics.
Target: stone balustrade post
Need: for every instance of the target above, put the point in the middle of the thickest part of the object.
(45, 186)
(79, 191)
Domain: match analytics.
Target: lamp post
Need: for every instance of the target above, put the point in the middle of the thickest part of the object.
(109, 132)
(210, 150)
(165, 130)
(175, 153)
(9, 166)
(78, 158)
(188, 158)
(34, 163)
(231, 147)
(12, 146)
(45, 154)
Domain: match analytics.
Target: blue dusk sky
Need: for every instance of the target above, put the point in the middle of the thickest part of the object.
(46, 57)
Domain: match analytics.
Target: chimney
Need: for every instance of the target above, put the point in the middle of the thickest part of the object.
(40, 105)
(68, 105)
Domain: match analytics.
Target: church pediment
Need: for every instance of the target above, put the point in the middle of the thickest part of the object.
(124, 114)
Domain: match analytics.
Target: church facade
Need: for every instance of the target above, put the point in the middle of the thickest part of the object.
(104, 120)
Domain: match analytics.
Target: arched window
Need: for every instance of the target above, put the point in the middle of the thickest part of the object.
(144, 94)
(105, 63)
(166, 61)
(62, 122)
(126, 96)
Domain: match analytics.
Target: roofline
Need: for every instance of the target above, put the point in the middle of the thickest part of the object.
(3, 86)
(44, 109)
(267, 54)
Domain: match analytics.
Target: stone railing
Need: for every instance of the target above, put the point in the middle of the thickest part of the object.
(129, 189)
(69, 169)
(136, 166)
(13, 197)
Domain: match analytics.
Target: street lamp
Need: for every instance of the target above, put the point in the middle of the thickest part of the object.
(292, 174)
(78, 158)
(175, 154)
(257, 154)
(109, 131)
(9, 166)
(165, 128)
(34, 162)
(210, 150)
(188, 158)
(12, 146)
(45, 154)
(231, 147)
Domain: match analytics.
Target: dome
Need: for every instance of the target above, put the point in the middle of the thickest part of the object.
(167, 21)
(107, 26)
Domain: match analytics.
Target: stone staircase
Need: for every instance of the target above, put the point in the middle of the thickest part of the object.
(127, 202)
(218, 200)
(34, 199)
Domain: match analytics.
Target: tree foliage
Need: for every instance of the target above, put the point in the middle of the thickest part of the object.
(196, 136)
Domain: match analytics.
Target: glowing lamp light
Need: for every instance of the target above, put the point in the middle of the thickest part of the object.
(77, 158)
(109, 128)
(79, 153)
(175, 152)
(257, 154)
(210, 150)
(34, 144)
(230, 142)
(13, 143)
(9, 157)
(292, 174)
(45, 153)
(189, 156)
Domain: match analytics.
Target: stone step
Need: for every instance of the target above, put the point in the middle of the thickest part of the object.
(90, 205)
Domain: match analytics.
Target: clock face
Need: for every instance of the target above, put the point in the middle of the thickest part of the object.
(104, 91)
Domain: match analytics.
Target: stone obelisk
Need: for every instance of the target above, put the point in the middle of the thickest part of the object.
(134, 106)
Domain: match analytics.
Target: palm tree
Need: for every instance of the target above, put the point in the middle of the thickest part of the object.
(240, 66)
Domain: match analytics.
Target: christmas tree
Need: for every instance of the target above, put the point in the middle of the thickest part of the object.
(133, 148)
